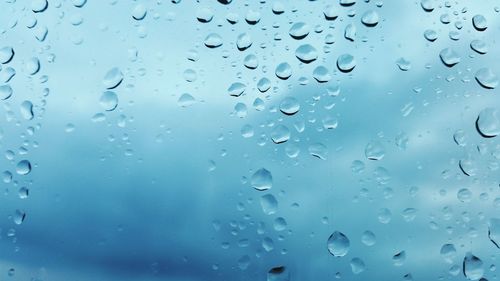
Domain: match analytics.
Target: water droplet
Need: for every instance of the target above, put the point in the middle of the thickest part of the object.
(252, 17)
(479, 46)
(279, 224)
(186, 100)
(306, 53)
(23, 167)
(321, 74)
(289, 106)
(494, 231)
(251, 62)
(370, 18)
(283, 71)
(23, 192)
(318, 150)
(430, 35)
(79, 3)
(6, 54)
(269, 204)
(350, 32)
(262, 180)
(5, 92)
(19, 217)
(244, 262)
(479, 22)
(113, 78)
(403, 64)
(32, 66)
(399, 258)
(299, 30)
(264, 85)
(486, 78)
(244, 41)
(472, 267)
(448, 252)
(338, 244)
(449, 57)
(39, 6)
(280, 134)
(488, 123)
(374, 150)
(427, 5)
(204, 15)
(139, 12)
(108, 101)
(346, 63)
(330, 12)
(213, 40)
(368, 238)
(236, 89)
(279, 273)
(347, 3)
(27, 110)
(464, 195)
(357, 265)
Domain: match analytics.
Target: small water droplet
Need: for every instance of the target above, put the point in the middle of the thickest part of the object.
(108, 101)
(306, 53)
(27, 110)
(299, 30)
(6, 54)
(280, 134)
(213, 40)
(269, 204)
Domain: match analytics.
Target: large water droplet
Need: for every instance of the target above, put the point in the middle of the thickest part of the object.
(488, 123)
(113, 78)
(269, 204)
(27, 110)
(472, 267)
(486, 78)
(283, 71)
(427, 5)
(374, 150)
(236, 89)
(244, 41)
(346, 63)
(306, 53)
(32, 66)
(289, 106)
(213, 40)
(108, 101)
(430, 35)
(279, 273)
(39, 6)
(338, 244)
(479, 22)
(318, 150)
(23, 167)
(5, 92)
(479, 46)
(299, 30)
(370, 18)
(204, 15)
(186, 100)
(350, 32)
(357, 265)
(449, 57)
(262, 180)
(139, 12)
(280, 134)
(19, 217)
(6, 54)
(368, 238)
